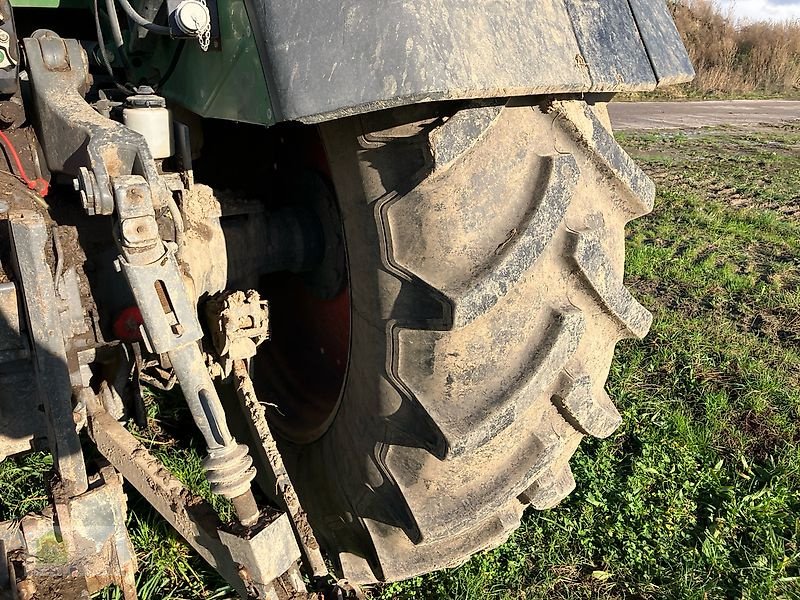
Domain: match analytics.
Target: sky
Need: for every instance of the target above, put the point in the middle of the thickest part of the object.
(761, 10)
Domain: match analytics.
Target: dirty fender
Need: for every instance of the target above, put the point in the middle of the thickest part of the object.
(324, 60)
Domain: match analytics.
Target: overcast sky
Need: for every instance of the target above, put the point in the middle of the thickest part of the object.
(764, 9)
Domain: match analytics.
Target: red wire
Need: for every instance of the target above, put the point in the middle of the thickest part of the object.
(39, 185)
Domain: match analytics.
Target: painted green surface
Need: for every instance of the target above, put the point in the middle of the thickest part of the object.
(223, 83)
(227, 83)
(49, 3)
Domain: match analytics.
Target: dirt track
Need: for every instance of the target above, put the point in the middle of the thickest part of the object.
(686, 115)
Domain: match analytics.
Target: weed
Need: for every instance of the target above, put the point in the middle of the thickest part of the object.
(733, 58)
(22, 484)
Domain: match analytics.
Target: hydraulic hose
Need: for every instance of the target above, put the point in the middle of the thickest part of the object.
(141, 21)
(104, 58)
(113, 23)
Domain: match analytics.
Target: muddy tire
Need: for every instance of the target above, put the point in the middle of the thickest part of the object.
(485, 251)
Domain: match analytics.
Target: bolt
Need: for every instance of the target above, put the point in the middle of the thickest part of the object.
(4, 37)
(76, 184)
(86, 189)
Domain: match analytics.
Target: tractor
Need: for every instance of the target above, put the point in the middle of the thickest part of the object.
(372, 249)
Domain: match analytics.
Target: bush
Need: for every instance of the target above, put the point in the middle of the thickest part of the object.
(733, 57)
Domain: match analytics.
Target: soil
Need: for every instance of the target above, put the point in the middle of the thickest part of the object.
(684, 161)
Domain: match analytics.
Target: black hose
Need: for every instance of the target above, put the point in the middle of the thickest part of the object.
(141, 21)
(176, 56)
(104, 58)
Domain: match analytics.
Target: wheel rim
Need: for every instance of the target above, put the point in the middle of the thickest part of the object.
(306, 360)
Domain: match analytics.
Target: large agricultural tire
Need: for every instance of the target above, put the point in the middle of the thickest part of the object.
(485, 249)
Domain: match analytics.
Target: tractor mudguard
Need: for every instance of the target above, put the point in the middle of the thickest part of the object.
(325, 60)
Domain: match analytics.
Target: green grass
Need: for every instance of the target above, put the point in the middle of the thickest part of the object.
(168, 568)
(22, 485)
(698, 494)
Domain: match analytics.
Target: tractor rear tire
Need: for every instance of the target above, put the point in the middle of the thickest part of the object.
(485, 248)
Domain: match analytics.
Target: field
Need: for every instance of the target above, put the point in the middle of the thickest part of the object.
(698, 494)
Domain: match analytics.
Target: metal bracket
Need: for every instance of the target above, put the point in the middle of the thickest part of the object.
(269, 448)
(77, 549)
(76, 139)
(29, 237)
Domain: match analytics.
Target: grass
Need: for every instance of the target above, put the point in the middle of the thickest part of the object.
(22, 485)
(698, 494)
(687, 92)
(168, 568)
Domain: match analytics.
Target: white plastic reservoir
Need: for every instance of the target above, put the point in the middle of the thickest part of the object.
(148, 114)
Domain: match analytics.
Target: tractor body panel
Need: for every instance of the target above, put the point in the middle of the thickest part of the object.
(313, 61)
(324, 60)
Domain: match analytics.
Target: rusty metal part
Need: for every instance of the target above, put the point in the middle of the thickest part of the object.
(193, 518)
(78, 548)
(29, 237)
(239, 323)
(258, 421)
(171, 327)
(76, 139)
